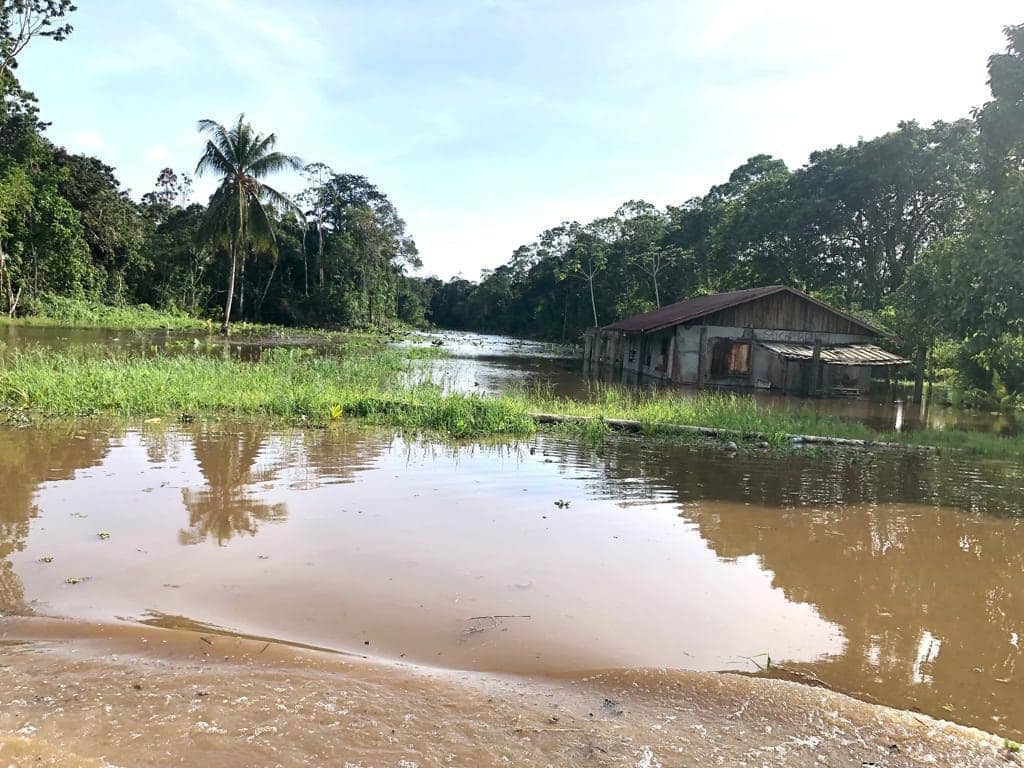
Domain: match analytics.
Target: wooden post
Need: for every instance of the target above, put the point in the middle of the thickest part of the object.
(815, 368)
(920, 360)
(702, 355)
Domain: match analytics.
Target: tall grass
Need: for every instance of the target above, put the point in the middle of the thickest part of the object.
(734, 412)
(287, 384)
(376, 383)
(48, 309)
(60, 311)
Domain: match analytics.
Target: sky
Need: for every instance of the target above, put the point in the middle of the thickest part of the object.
(487, 122)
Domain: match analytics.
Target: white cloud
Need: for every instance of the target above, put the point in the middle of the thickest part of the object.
(88, 141)
(158, 154)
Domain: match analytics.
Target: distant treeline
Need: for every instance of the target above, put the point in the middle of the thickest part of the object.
(921, 230)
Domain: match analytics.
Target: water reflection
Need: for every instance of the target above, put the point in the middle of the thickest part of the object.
(895, 577)
(28, 459)
(229, 505)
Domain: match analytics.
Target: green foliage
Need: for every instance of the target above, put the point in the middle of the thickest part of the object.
(290, 385)
(51, 309)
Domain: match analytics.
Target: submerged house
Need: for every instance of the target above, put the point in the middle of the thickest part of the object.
(774, 337)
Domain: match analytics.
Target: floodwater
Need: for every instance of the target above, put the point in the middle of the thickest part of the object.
(894, 578)
(492, 364)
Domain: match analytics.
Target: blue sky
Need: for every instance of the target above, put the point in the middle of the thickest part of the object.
(486, 122)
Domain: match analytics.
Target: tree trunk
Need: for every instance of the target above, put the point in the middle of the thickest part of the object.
(593, 304)
(320, 250)
(225, 327)
(3, 279)
(241, 287)
(657, 295)
(920, 358)
(305, 264)
(259, 307)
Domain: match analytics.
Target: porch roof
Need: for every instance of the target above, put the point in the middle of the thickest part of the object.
(838, 354)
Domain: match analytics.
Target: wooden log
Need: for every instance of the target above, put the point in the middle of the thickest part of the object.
(631, 425)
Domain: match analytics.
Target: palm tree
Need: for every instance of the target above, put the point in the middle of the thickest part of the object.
(239, 214)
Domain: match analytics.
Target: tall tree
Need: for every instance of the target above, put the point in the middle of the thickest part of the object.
(1001, 120)
(240, 210)
(23, 20)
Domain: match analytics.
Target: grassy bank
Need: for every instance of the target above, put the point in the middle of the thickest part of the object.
(370, 382)
(287, 385)
(79, 313)
(61, 312)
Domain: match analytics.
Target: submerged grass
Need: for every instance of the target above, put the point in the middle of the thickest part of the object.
(375, 383)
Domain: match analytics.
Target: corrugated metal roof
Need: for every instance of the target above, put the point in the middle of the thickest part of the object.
(692, 309)
(843, 354)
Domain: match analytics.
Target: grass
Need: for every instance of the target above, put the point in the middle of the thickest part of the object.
(724, 411)
(298, 386)
(50, 310)
(374, 383)
(57, 311)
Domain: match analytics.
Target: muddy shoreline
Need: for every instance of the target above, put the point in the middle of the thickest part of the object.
(85, 694)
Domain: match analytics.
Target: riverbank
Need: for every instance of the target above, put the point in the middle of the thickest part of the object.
(62, 312)
(379, 384)
(125, 690)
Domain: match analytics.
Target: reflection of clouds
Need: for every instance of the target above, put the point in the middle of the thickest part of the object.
(928, 648)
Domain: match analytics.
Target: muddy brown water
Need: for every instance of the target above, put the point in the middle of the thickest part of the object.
(894, 578)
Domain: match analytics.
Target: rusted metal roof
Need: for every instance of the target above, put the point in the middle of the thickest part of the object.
(701, 306)
(840, 354)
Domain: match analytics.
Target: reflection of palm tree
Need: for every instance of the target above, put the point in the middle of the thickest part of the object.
(30, 457)
(227, 507)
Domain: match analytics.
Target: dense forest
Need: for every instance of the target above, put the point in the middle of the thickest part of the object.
(921, 229)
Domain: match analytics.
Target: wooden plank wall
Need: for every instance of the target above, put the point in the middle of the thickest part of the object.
(784, 312)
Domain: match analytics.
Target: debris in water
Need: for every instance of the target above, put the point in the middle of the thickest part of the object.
(46, 559)
(562, 504)
(103, 535)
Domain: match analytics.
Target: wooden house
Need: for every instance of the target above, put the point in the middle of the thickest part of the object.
(774, 337)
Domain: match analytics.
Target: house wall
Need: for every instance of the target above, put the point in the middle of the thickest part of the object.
(784, 312)
(695, 342)
(682, 354)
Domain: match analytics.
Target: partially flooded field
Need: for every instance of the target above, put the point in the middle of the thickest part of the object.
(488, 364)
(895, 578)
